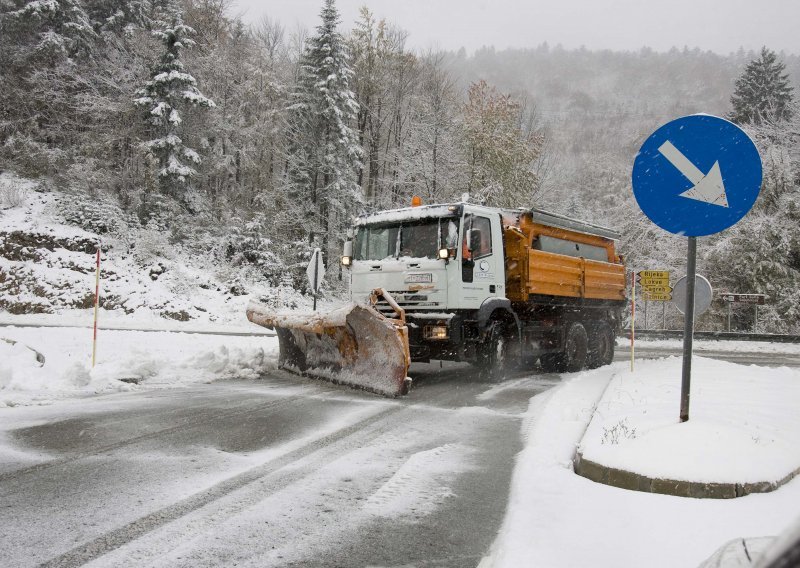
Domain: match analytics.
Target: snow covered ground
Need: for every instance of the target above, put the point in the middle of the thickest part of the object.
(126, 360)
(739, 414)
(743, 424)
(700, 345)
(742, 427)
(148, 277)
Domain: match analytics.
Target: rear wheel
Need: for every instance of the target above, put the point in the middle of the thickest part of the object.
(573, 357)
(601, 345)
(493, 354)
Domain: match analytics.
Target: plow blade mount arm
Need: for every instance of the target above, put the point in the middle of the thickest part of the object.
(355, 345)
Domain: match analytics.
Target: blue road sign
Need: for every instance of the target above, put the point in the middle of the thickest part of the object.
(697, 175)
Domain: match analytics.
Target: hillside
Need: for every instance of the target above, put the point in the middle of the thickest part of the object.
(48, 241)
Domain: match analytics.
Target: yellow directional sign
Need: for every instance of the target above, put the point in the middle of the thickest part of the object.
(657, 289)
(655, 274)
(650, 297)
(648, 282)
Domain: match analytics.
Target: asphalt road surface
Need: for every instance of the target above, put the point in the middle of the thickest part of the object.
(282, 471)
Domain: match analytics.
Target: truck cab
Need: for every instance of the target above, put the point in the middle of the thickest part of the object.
(444, 264)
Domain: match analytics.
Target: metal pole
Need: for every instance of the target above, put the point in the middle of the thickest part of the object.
(729, 316)
(688, 327)
(316, 272)
(645, 313)
(633, 313)
(663, 315)
(755, 321)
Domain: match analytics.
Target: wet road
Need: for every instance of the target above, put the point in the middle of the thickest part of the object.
(281, 471)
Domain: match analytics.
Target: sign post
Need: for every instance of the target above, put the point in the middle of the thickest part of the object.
(315, 273)
(688, 327)
(633, 314)
(754, 299)
(696, 176)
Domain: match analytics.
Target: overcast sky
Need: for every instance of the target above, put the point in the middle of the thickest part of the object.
(718, 25)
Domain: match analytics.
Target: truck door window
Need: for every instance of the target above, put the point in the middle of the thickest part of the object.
(484, 228)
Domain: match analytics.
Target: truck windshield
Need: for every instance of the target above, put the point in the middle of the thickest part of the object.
(415, 239)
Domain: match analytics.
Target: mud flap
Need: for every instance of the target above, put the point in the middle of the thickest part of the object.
(355, 346)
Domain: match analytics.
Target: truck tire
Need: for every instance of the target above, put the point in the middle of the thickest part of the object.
(601, 345)
(573, 357)
(493, 354)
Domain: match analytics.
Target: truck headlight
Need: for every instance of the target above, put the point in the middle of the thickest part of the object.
(347, 261)
(444, 254)
(435, 332)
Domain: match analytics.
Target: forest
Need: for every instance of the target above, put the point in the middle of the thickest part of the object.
(260, 142)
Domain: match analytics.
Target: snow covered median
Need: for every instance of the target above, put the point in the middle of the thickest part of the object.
(556, 518)
(743, 425)
(126, 360)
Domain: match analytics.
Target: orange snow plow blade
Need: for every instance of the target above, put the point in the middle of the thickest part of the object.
(355, 345)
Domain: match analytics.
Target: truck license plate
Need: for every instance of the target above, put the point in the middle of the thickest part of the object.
(419, 278)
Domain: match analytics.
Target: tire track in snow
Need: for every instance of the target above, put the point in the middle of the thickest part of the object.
(421, 484)
(321, 449)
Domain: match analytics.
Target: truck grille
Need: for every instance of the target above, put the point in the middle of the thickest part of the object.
(408, 301)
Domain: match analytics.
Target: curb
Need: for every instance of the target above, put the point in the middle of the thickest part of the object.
(636, 482)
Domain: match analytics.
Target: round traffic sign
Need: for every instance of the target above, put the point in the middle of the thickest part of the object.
(703, 294)
(697, 175)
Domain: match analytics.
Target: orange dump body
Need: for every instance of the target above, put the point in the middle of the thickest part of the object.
(536, 272)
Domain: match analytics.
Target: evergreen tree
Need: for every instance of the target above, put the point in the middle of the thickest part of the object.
(170, 90)
(763, 92)
(48, 30)
(324, 154)
(117, 15)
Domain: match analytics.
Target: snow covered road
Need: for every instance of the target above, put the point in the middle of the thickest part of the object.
(281, 471)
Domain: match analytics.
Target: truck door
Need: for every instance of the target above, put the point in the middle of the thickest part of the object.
(482, 269)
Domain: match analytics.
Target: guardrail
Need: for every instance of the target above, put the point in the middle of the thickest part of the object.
(733, 335)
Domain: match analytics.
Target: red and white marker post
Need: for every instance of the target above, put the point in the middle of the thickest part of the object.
(96, 305)
(633, 313)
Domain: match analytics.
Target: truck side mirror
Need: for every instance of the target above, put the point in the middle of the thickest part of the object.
(347, 254)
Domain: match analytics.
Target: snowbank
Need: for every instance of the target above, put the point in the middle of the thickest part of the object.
(558, 519)
(126, 360)
(743, 423)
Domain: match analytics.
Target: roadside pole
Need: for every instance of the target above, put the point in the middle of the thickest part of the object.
(688, 327)
(96, 305)
(729, 316)
(315, 272)
(633, 313)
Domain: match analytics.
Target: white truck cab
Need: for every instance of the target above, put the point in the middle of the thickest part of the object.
(422, 256)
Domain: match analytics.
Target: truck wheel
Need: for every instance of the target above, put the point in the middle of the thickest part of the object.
(573, 358)
(493, 355)
(601, 345)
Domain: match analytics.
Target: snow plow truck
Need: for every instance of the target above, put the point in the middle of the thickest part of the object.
(461, 282)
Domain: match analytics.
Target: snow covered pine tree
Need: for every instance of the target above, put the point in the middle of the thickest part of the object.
(324, 154)
(763, 92)
(170, 89)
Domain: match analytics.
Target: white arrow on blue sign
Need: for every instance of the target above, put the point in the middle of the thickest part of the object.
(697, 175)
